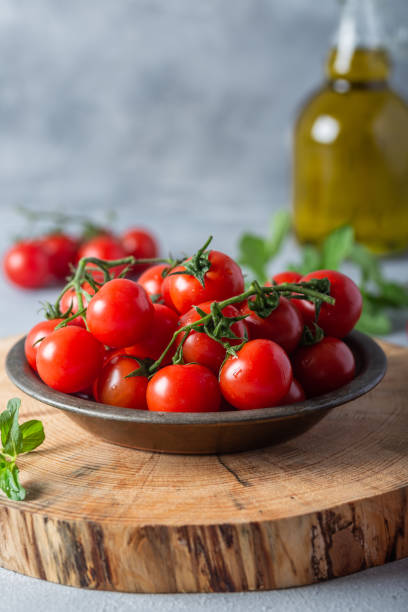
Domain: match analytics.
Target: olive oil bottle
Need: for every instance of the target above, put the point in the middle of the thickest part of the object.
(351, 143)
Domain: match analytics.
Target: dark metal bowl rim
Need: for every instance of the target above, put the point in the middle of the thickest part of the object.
(371, 362)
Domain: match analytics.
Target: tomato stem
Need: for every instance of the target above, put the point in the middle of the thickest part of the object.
(254, 289)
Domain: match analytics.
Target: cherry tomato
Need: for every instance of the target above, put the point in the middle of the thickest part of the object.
(61, 250)
(284, 325)
(69, 359)
(41, 330)
(258, 377)
(27, 265)
(200, 348)
(184, 388)
(164, 325)
(165, 292)
(113, 388)
(106, 247)
(69, 302)
(294, 395)
(324, 366)
(141, 244)
(152, 279)
(224, 279)
(285, 277)
(337, 320)
(120, 313)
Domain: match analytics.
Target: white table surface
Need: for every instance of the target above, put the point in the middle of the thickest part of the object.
(382, 589)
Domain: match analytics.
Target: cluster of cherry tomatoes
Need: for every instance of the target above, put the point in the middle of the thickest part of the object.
(192, 338)
(47, 260)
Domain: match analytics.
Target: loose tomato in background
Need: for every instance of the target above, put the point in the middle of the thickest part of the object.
(69, 359)
(339, 319)
(163, 326)
(27, 265)
(113, 388)
(152, 279)
(285, 277)
(69, 302)
(141, 244)
(106, 247)
(199, 347)
(294, 395)
(259, 377)
(184, 388)
(31, 345)
(120, 313)
(61, 250)
(224, 279)
(324, 366)
(284, 325)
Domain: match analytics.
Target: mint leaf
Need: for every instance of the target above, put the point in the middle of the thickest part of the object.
(337, 247)
(10, 483)
(279, 228)
(311, 261)
(16, 439)
(10, 431)
(393, 294)
(368, 263)
(32, 433)
(253, 255)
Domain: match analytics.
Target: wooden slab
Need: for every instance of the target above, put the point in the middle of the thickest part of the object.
(331, 502)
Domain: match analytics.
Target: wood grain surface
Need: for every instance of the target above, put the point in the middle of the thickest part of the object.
(331, 502)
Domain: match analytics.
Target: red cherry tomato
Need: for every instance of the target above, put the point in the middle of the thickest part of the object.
(337, 320)
(224, 279)
(61, 250)
(294, 395)
(69, 302)
(27, 265)
(259, 377)
(31, 345)
(106, 247)
(200, 348)
(113, 388)
(141, 244)
(165, 292)
(120, 313)
(69, 359)
(164, 325)
(285, 277)
(152, 279)
(324, 366)
(284, 325)
(184, 388)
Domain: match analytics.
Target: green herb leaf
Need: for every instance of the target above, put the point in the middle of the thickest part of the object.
(16, 439)
(337, 247)
(32, 433)
(253, 255)
(279, 229)
(374, 322)
(311, 261)
(10, 431)
(10, 483)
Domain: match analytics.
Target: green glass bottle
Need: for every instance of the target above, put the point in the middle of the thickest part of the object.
(351, 143)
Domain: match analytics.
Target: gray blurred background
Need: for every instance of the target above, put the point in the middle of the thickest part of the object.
(172, 111)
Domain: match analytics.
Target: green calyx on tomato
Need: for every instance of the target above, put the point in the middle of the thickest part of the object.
(198, 265)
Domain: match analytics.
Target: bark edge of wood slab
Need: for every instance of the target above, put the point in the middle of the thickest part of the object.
(203, 433)
(326, 504)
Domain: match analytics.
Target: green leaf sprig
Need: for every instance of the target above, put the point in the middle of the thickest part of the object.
(380, 296)
(15, 440)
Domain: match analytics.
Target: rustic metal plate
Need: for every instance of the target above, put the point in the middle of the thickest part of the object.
(203, 433)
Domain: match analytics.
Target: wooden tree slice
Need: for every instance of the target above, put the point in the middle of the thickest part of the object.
(329, 503)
